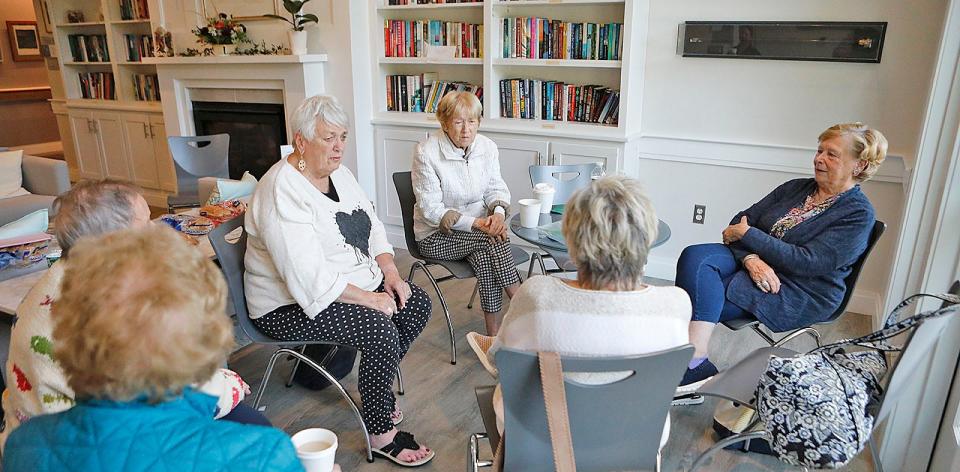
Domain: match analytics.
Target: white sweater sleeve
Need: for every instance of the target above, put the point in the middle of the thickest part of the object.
(497, 188)
(426, 186)
(290, 238)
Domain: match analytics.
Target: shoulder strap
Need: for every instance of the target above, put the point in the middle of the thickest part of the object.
(558, 422)
(894, 326)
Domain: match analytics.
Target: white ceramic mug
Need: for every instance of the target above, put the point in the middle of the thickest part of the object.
(529, 212)
(316, 449)
(544, 192)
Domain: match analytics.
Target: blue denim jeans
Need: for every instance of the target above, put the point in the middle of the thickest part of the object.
(704, 271)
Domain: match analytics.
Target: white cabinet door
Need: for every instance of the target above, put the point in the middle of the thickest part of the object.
(161, 152)
(516, 157)
(395, 148)
(112, 149)
(143, 165)
(86, 145)
(567, 153)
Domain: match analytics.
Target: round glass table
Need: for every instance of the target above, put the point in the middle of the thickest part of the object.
(548, 237)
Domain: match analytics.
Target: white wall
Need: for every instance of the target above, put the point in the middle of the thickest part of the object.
(724, 132)
(790, 102)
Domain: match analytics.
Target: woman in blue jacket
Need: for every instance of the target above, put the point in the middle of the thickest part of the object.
(784, 259)
(140, 317)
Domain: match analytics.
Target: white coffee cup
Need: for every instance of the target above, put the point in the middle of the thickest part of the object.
(316, 448)
(544, 192)
(529, 212)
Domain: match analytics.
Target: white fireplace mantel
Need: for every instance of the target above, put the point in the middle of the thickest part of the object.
(293, 78)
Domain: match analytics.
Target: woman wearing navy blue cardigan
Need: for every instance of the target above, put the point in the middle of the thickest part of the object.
(783, 260)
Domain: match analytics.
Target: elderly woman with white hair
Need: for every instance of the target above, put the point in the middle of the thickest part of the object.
(462, 201)
(608, 310)
(319, 268)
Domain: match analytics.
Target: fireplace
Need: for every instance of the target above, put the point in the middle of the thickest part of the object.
(256, 132)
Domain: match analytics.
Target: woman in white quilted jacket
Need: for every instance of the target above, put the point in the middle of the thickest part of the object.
(462, 202)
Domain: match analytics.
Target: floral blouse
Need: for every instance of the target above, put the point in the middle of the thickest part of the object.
(802, 213)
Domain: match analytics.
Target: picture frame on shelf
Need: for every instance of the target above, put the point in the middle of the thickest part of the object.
(242, 10)
(24, 41)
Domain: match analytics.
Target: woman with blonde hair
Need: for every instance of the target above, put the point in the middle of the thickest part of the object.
(140, 318)
(607, 310)
(784, 259)
(462, 202)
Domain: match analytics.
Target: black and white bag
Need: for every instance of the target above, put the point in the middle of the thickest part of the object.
(818, 407)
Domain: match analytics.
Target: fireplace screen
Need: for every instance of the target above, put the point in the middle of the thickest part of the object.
(256, 132)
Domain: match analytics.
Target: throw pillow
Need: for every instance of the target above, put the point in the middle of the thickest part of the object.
(233, 189)
(36, 222)
(11, 174)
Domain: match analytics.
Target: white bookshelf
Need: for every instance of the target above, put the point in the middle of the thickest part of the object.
(489, 70)
(102, 17)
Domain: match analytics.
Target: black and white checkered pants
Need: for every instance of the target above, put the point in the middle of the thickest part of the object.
(491, 261)
(382, 341)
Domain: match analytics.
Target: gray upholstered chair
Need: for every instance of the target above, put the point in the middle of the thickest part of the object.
(615, 426)
(45, 179)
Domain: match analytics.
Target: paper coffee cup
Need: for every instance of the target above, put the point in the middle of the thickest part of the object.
(316, 449)
(544, 192)
(529, 212)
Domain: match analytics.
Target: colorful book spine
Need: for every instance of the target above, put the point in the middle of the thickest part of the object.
(549, 100)
(411, 38)
(542, 38)
(422, 93)
(97, 85)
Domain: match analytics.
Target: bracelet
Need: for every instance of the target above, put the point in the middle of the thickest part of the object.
(748, 257)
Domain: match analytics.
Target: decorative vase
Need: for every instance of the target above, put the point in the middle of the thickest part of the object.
(224, 49)
(298, 42)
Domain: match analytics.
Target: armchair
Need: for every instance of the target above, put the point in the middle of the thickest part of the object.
(45, 179)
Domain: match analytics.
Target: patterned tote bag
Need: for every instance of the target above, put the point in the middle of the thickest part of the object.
(818, 407)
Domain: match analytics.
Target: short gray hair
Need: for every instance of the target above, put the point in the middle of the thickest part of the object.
(609, 227)
(313, 111)
(91, 208)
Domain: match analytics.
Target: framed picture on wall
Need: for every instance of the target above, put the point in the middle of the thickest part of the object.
(45, 17)
(24, 40)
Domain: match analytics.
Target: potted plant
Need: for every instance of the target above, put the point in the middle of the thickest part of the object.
(298, 37)
(222, 32)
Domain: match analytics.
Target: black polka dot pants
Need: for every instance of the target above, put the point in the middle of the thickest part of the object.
(381, 340)
(492, 261)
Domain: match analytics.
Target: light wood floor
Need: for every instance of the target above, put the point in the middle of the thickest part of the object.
(440, 406)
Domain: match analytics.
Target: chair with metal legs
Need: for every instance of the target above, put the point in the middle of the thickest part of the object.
(849, 282)
(230, 252)
(739, 383)
(457, 269)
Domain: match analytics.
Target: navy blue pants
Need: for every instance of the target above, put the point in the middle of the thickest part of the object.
(244, 414)
(704, 271)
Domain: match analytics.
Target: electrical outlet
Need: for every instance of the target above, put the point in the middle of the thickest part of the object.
(699, 214)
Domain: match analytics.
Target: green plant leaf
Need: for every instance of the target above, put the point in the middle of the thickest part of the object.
(309, 17)
(278, 17)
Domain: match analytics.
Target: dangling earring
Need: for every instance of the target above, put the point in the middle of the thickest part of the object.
(301, 165)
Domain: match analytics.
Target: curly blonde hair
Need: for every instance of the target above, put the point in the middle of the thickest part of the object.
(869, 145)
(609, 228)
(139, 312)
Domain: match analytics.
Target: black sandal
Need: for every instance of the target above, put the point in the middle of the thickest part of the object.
(402, 440)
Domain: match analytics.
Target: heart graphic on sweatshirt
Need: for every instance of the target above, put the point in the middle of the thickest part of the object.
(355, 228)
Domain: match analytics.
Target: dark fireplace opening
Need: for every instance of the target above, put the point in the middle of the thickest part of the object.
(257, 130)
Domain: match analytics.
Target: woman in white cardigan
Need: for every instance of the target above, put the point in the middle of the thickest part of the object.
(608, 310)
(462, 202)
(319, 267)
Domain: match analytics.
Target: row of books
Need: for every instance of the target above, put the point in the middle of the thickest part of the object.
(134, 10)
(557, 101)
(146, 87)
(429, 2)
(89, 47)
(97, 85)
(410, 38)
(541, 38)
(422, 92)
(139, 46)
